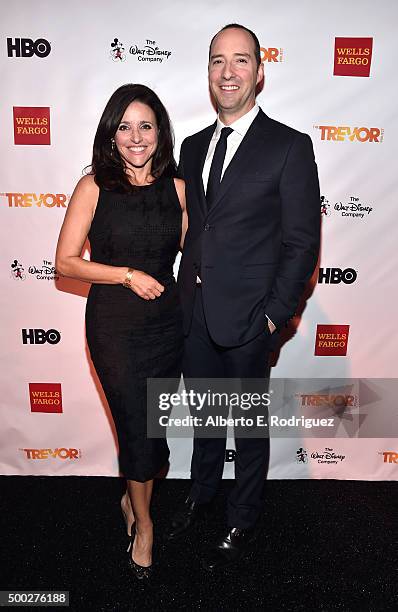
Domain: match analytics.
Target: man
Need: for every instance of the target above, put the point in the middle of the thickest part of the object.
(252, 243)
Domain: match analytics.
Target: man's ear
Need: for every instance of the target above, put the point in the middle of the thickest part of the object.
(260, 73)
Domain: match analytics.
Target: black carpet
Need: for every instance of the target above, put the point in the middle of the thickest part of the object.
(323, 545)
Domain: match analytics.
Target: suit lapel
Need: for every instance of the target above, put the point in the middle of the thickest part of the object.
(247, 150)
(200, 154)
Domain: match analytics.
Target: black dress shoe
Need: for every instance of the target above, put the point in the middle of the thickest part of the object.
(185, 519)
(230, 549)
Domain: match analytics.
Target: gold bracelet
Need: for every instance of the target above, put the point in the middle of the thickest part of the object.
(127, 280)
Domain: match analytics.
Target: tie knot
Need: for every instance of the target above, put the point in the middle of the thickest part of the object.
(225, 132)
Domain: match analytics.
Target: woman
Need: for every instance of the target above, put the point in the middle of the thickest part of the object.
(132, 208)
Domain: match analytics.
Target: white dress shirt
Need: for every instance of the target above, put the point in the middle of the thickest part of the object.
(240, 127)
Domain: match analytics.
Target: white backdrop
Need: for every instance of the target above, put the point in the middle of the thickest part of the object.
(358, 183)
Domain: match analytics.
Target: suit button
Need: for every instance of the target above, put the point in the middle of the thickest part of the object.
(206, 227)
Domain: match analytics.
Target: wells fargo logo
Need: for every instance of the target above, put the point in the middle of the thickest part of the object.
(389, 457)
(352, 56)
(31, 125)
(45, 397)
(329, 400)
(52, 453)
(353, 134)
(271, 54)
(331, 340)
(41, 200)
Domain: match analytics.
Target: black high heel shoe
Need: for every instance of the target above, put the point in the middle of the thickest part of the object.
(140, 572)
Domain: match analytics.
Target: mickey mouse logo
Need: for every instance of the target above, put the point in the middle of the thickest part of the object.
(17, 271)
(117, 51)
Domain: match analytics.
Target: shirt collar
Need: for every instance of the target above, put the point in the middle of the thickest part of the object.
(241, 125)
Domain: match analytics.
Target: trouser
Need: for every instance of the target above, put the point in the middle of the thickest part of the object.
(205, 359)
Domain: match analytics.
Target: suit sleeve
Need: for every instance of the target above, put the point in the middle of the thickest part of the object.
(300, 226)
(180, 170)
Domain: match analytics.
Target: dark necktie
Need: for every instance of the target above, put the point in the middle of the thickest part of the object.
(217, 163)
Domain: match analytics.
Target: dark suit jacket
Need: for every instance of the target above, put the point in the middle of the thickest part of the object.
(258, 245)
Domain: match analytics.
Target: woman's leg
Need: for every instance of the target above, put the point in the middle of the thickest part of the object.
(140, 496)
(127, 510)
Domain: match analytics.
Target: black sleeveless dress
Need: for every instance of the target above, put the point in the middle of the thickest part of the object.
(132, 339)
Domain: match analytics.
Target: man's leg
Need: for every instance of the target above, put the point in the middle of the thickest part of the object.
(251, 459)
(252, 454)
(202, 360)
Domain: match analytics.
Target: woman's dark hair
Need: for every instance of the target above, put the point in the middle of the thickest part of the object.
(107, 166)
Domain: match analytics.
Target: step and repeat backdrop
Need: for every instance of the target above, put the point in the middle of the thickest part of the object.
(330, 71)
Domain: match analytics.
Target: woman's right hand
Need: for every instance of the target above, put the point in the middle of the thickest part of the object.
(145, 286)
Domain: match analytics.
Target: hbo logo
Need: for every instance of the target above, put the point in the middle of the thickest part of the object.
(25, 47)
(337, 275)
(40, 336)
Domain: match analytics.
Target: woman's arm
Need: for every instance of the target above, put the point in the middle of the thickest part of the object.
(180, 188)
(76, 225)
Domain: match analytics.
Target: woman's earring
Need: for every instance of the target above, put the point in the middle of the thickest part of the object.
(113, 144)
